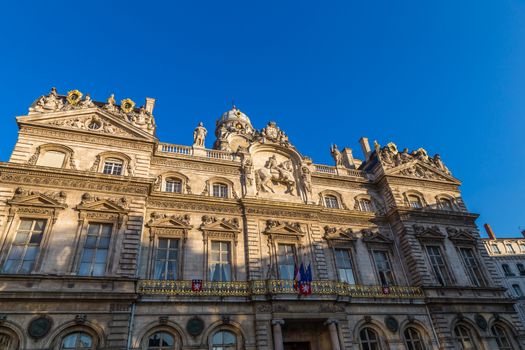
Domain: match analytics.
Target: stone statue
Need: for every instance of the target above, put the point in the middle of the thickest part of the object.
(110, 105)
(51, 102)
(199, 135)
(87, 102)
(274, 172)
(336, 154)
(439, 163)
(247, 167)
(306, 176)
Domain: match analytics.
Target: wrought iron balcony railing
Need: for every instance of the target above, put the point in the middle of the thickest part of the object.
(276, 287)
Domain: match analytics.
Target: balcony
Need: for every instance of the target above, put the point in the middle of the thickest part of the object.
(273, 287)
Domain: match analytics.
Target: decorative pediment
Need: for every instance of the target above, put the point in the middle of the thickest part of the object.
(375, 237)
(431, 233)
(461, 236)
(160, 220)
(92, 121)
(211, 223)
(24, 197)
(93, 203)
(421, 170)
(274, 227)
(140, 119)
(334, 233)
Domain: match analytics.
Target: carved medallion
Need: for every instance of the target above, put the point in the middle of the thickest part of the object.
(39, 327)
(195, 326)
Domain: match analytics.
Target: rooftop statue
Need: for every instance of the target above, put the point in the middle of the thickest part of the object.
(199, 135)
(336, 154)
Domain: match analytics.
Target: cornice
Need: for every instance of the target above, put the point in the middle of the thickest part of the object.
(192, 203)
(85, 137)
(17, 174)
(198, 163)
(409, 181)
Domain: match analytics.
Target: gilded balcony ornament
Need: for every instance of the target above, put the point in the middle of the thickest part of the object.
(127, 105)
(74, 97)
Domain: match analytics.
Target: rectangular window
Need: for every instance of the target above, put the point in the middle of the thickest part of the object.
(438, 265)
(331, 202)
(495, 249)
(472, 266)
(522, 248)
(510, 248)
(220, 262)
(286, 261)
(343, 260)
(112, 167)
(167, 259)
(25, 247)
(383, 267)
(173, 186)
(96, 249)
(220, 190)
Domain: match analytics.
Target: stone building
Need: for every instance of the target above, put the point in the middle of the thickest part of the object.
(509, 257)
(111, 239)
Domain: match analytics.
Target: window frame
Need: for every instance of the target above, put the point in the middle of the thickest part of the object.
(447, 279)
(421, 338)
(79, 332)
(223, 190)
(280, 257)
(476, 281)
(222, 345)
(211, 261)
(22, 206)
(503, 334)
(331, 201)
(99, 211)
(459, 339)
(389, 260)
(351, 259)
(174, 180)
(27, 244)
(517, 291)
(100, 163)
(377, 341)
(68, 161)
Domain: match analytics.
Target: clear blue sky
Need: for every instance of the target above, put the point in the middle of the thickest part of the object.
(444, 75)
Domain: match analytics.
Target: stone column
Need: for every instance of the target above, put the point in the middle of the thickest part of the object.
(334, 337)
(277, 334)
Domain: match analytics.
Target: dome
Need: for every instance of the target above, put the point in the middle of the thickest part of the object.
(234, 114)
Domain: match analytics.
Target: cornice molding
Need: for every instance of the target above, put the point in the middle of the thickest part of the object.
(13, 173)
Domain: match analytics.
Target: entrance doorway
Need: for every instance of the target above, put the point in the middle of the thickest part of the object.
(303, 345)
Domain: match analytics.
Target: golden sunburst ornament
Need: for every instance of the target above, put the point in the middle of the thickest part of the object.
(74, 97)
(127, 105)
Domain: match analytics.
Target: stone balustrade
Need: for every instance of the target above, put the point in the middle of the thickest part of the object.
(264, 287)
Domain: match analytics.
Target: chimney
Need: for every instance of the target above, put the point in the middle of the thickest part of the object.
(365, 146)
(348, 158)
(150, 104)
(489, 231)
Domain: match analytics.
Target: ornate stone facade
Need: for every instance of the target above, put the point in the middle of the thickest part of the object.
(112, 239)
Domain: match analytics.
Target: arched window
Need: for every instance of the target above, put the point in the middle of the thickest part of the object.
(6, 342)
(464, 338)
(510, 248)
(365, 205)
(413, 339)
(331, 201)
(517, 290)
(161, 341)
(220, 190)
(507, 270)
(369, 339)
(501, 338)
(445, 204)
(77, 340)
(113, 166)
(224, 340)
(414, 201)
(173, 185)
(521, 269)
